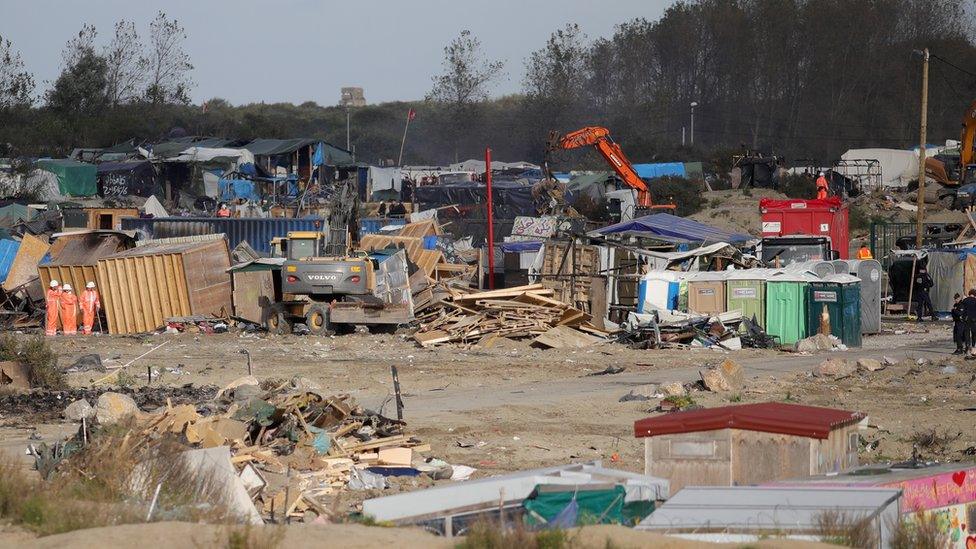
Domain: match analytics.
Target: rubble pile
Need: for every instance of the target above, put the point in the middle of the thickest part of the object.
(290, 445)
(530, 311)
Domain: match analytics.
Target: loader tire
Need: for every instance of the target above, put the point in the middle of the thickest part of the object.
(278, 321)
(317, 319)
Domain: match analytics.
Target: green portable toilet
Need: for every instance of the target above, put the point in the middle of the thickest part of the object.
(786, 306)
(746, 292)
(841, 294)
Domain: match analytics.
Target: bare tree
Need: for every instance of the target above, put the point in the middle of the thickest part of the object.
(466, 75)
(126, 63)
(168, 66)
(79, 46)
(16, 84)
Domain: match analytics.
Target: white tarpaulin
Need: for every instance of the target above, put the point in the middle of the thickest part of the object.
(154, 208)
(898, 167)
(204, 154)
(384, 179)
(478, 166)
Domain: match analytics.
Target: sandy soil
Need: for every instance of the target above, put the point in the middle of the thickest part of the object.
(512, 407)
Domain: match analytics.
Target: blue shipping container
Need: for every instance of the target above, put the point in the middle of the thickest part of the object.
(372, 225)
(8, 251)
(257, 231)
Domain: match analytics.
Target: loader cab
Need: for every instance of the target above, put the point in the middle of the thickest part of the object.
(298, 245)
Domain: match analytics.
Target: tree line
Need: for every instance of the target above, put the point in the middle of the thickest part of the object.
(806, 79)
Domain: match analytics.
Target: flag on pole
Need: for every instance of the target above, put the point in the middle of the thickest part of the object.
(411, 114)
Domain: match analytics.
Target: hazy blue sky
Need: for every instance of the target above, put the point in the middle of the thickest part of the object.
(298, 50)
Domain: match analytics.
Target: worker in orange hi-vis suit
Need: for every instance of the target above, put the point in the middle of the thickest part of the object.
(53, 302)
(69, 310)
(90, 305)
(822, 187)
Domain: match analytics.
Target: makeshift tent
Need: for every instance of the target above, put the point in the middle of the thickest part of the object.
(384, 179)
(947, 270)
(478, 166)
(595, 185)
(673, 229)
(660, 169)
(14, 213)
(175, 147)
(136, 178)
(220, 155)
(898, 167)
(74, 178)
(334, 156)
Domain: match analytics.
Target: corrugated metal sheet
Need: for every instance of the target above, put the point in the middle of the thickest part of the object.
(258, 232)
(769, 417)
(73, 257)
(144, 286)
(182, 239)
(8, 251)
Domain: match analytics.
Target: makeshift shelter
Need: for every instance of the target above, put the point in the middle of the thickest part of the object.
(449, 508)
(74, 178)
(898, 166)
(744, 514)
(672, 228)
(144, 286)
(132, 178)
(299, 156)
(748, 443)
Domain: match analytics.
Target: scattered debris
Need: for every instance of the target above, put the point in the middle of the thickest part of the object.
(609, 370)
(644, 392)
(87, 363)
(673, 389)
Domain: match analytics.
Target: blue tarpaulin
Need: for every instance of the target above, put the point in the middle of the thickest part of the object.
(523, 246)
(8, 251)
(673, 228)
(232, 189)
(660, 169)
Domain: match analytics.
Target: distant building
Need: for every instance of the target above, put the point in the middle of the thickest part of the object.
(352, 97)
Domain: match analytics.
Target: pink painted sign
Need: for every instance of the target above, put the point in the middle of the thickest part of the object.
(922, 494)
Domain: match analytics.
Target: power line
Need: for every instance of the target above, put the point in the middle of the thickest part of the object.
(953, 65)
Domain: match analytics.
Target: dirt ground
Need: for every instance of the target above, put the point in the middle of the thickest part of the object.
(512, 407)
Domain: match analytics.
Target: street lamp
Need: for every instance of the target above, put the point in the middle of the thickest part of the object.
(693, 105)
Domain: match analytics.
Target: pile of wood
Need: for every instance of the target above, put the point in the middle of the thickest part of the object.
(482, 318)
(293, 450)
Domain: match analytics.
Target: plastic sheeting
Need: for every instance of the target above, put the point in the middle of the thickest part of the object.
(233, 189)
(74, 178)
(947, 270)
(898, 167)
(673, 228)
(126, 179)
(660, 169)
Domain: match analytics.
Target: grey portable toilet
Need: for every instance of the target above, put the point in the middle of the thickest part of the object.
(818, 268)
(841, 266)
(869, 271)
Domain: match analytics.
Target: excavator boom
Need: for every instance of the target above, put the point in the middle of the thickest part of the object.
(599, 138)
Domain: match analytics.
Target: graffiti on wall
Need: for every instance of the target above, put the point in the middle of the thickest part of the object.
(951, 497)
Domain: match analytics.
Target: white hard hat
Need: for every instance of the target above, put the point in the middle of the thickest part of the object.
(54, 283)
(67, 287)
(821, 173)
(90, 285)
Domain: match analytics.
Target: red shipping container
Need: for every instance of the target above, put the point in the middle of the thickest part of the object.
(793, 217)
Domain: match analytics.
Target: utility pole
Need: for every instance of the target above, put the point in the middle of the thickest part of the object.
(919, 224)
(348, 145)
(693, 105)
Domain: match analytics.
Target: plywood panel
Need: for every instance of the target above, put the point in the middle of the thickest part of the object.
(253, 295)
(24, 267)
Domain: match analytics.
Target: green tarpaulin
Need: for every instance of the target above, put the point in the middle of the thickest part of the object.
(74, 178)
(599, 506)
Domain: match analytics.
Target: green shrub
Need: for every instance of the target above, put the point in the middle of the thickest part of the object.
(37, 355)
(685, 194)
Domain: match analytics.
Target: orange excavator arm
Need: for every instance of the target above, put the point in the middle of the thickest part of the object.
(966, 140)
(599, 138)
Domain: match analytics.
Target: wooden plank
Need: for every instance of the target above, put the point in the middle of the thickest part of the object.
(564, 337)
(507, 292)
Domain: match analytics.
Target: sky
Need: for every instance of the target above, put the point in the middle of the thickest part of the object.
(247, 51)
